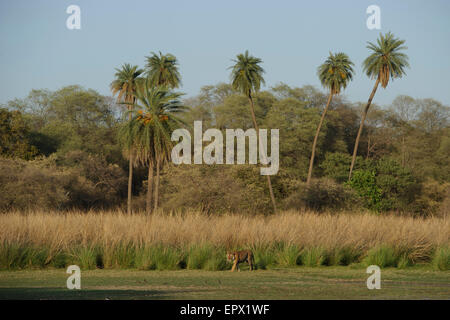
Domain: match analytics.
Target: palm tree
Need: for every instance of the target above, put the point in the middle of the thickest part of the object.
(162, 70)
(386, 62)
(334, 75)
(246, 77)
(150, 129)
(125, 85)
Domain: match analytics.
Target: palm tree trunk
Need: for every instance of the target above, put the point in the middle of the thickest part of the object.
(366, 109)
(130, 181)
(311, 161)
(157, 183)
(130, 174)
(148, 207)
(269, 182)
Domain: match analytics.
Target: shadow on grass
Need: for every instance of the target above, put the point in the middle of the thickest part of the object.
(88, 294)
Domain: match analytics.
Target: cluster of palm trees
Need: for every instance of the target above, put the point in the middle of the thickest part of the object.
(385, 62)
(152, 108)
(152, 104)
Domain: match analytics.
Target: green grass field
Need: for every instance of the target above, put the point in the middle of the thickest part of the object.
(417, 282)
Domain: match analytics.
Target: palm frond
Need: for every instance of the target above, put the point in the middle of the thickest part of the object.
(386, 60)
(247, 74)
(154, 119)
(336, 72)
(162, 70)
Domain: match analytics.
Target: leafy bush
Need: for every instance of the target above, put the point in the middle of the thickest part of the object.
(27, 185)
(364, 182)
(398, 185)
(434, 199)
(321, 194)
(385, 185)
(213, 189)
(15, 136)
(84, 182)
(337, 165)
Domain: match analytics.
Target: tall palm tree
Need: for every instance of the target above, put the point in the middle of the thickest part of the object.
(334, 74)
(386, 62)
(162, 70)
(125, 85)
(150, 129)
(246, 77)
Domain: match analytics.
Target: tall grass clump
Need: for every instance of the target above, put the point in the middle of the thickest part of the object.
(313, 257)
(14, 256)
(217, 261)
(441, 259)
(382, 256)
(61, 260)
(198, 256)
(342, 256)
(265, 257)
(158, 257)
(143, 259)
(392, 256)
(121, 255)
(288, 256)
(87, 258)
(207, 257)
(168, 258)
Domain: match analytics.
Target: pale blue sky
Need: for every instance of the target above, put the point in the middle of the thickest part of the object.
(292, 37)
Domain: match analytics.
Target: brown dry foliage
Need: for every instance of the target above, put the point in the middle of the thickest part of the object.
(109, 228)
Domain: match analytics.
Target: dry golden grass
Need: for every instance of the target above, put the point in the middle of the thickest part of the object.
(360, 232)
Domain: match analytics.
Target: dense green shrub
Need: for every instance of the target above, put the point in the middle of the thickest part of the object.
(336, 165)
(364, 183)
(385, 185)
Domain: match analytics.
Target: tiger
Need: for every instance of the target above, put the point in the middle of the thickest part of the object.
(240, 256)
